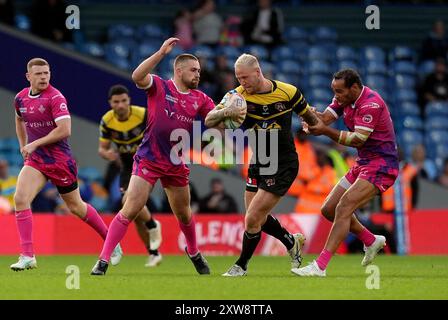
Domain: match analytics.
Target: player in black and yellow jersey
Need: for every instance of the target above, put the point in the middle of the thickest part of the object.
(270, 107)
(123, 126)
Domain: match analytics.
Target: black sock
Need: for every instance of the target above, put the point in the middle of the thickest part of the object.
(151, 224)
(273, 228)
(250, 242)
(153, 252)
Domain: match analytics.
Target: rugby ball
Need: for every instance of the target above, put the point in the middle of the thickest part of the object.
(237, 100)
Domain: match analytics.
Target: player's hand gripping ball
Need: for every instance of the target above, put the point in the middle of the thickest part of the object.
(237, 107)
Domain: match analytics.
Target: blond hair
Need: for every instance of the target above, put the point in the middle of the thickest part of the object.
(36, 62)
(247, 60)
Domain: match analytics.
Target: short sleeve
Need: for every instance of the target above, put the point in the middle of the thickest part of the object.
(335, 109)
(207, 106)
(105, 134)
(17, 107)
(154, 85)
(368, 116)
(298, 102)
(59, 107)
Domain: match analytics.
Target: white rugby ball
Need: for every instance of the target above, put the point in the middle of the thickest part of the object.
(237, 100)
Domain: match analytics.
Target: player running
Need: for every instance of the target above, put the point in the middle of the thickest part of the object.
(124, 126)
(172, 104)
(270, 105)
(43, 125)
(370, 131)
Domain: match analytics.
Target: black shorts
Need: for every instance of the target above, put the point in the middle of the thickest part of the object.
(278, 183)
(125, 177)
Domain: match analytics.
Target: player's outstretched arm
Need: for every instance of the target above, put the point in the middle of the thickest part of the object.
(142, 74)
(62, 131)
(347, 138)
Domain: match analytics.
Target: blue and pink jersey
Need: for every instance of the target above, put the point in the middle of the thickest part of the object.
(169, 109)
(370, 113)
(40, 114)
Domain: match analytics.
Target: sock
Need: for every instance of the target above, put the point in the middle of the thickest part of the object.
(94, 220)
(250, 242)
(273, 228)
(151, 224)
(366, 237)
(117, 230)
(324, 259)
(189, 231)
(24, 220)
(154, 252)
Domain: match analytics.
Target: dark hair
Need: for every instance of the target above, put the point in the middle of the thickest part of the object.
(349, 76)
(118, 89)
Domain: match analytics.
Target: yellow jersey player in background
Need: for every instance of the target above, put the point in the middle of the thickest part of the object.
(124, 126)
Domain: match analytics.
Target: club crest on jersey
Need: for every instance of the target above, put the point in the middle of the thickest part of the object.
(367, 118)
(41, 109)
(270, 182)
(169, 113)
(265, 109)
(63, 107)
(280, 107)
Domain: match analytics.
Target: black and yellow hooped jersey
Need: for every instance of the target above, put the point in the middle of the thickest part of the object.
(273, 111)
(127, 135)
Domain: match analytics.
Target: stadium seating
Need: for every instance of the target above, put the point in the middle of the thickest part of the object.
(346, 53)
(296, 34)
(402, 53)
(324, 35)
(436, 108)
(372, 53)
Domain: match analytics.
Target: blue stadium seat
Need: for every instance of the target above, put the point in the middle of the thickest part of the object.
(434, 138)
(286, 77)
(402, 53)
(412, 122)
(319, 81)
(404, 67)
(296, 34)
(230, 52)
(403, 81)
(282, 53)
(346, 53)
(320, 94)
(321, 105)
(435, 108)
(289, 66)
(319, 67)
(146, 49)
(408, 139)
(203, 51)
(375, 82)
(120, 48)
(408, 109)
(402, 95)
(425, 68)
(93, 48)
(120, 31)
(22, 22)
(375, 67)
(119, 62)
(347, 64)
(324, 34)
(436, 122)
(14, 158)
(257, 50)
(148, 32)
(372, 53)
(267, 67)
(319, 52)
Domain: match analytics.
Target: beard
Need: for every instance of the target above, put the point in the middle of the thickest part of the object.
(191, 84)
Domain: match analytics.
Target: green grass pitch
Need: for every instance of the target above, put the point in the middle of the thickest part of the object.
(414, 277)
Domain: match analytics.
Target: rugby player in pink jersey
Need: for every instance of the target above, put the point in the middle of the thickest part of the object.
(43, 125)
(172, 104)
(371, 131)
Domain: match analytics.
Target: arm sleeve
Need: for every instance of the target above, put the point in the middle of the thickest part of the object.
(59, 107)
(206, 107)
(368, 116)
(335, 108)
(298, 102)
(17, 107)
(104, 131)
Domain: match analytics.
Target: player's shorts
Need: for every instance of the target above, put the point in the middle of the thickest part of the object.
(378, 174)
(278, 183)
(64, 175)
(169, 175)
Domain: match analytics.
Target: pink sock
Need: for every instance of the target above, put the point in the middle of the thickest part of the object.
(324, 259)
(117, 230)
(366, 237)
(189, 231)
(24, 220)
(94, 220)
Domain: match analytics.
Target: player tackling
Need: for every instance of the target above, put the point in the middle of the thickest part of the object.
(371, 131)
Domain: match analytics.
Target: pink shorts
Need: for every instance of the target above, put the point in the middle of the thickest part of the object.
(169, 175)
(62, 174)
(381, 176)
